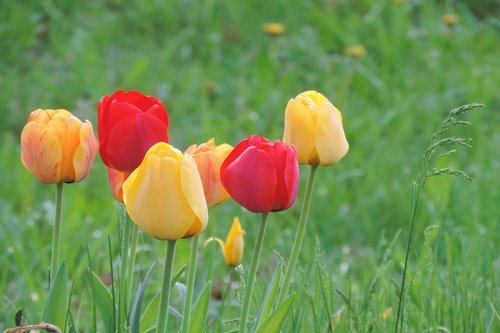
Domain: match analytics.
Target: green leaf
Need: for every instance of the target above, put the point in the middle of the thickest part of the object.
(199, 309)
(56, 306)
(178, 275)
(272, 293)
(104, 303)
(150, 315)
(135, 311)
(275, 321)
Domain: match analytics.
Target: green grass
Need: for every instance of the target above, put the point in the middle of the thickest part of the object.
(221, 76)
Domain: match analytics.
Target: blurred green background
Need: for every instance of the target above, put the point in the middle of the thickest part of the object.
(221, 75)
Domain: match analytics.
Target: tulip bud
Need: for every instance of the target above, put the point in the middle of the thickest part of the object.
(314, 126)
(209, 158)
(234, 245)
(164, 195)
(260, 175)
(129, 123)
(57, 147)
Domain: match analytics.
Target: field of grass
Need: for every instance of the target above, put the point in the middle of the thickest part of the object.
(220, 75)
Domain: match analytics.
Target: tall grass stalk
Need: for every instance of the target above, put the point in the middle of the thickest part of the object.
(430, 155)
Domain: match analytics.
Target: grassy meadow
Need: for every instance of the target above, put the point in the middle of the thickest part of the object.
(220, 75)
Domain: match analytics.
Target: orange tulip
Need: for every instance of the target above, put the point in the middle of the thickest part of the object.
(209, 158)
(57, 147)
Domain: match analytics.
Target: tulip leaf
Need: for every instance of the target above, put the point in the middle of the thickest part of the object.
(178, 275)
(200, 308)
(275, 320)
(56, 306)
(135, 311)
(272, 293)
(104, 303)
(150, 315)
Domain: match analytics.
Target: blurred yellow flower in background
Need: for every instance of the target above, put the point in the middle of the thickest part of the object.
(356, 51)
(57, 147)
(450, 19)
(234, 246)
(274, 29)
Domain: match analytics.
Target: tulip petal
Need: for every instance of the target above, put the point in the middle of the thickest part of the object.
(140, 131)
(192, 189)
(85, 153)
(299, 130)
(237, 151)
(251, 180)
(116, 179)
(329, 135)
(41, 152)
(291, 177)
(154, 198)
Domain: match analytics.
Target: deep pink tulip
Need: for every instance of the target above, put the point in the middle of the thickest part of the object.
(260, 175)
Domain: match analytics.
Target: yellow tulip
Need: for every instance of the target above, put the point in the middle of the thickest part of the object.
(208, 158)
(314, 126)
(234, 245)
(164, 195)
(57, 147)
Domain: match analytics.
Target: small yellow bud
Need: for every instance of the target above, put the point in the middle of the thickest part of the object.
(234, 246)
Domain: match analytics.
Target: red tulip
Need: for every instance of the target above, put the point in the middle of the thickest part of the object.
(129, 123)
(260, 175)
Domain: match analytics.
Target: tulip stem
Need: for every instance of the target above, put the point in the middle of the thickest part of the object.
(251, 274)
(56, 235)
(299, 236)
(131, 256)
(190, 285)
(161, 326)
(125, 225)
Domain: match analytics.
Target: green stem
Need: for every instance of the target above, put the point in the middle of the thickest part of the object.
(299, 236)
(131, 257)
(251, 274)
(161, 326)
(190, 285)
(56, 235)
(122, 291)
(414, 198)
